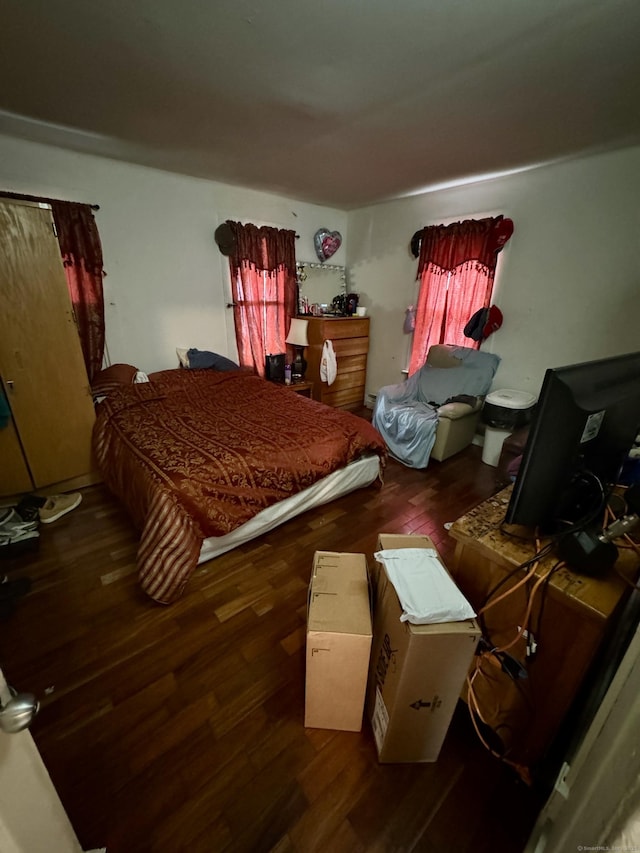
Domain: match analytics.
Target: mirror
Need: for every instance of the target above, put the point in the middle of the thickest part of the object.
(320, 283)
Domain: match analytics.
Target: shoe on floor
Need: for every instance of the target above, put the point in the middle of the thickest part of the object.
(28, 507)
(57, 506)
(11, 523)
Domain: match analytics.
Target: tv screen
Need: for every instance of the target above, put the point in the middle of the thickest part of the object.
(585, 423)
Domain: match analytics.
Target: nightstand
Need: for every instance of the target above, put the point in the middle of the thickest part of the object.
(304, 388)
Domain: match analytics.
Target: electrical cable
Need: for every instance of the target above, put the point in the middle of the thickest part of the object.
(474, 711)
(488, 603)
(521, 582)
(525, 622)
(592, 514)
(560, 564)
(574, 526)
(539, 555)
(628, 543)
(493, 653)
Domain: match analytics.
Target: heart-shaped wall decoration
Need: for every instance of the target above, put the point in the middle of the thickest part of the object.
(327, 243)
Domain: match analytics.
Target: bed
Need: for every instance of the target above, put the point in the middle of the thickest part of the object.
(204, 460)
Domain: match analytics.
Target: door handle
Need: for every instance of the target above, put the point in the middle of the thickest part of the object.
(18, 712)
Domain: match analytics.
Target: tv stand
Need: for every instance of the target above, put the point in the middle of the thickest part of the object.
(569, 623)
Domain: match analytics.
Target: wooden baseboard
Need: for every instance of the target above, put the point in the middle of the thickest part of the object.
(72, 485)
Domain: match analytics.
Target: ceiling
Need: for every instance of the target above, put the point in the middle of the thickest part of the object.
(337, 102)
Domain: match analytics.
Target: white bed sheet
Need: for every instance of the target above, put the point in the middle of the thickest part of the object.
(357, 475)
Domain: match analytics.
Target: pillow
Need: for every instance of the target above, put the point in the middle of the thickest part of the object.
(441, 355)
(454, 411)
(112, 377)
(183, 358)
(198, 359)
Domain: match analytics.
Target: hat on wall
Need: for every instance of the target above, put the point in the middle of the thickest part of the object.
(502, 231)
(476, 324)
(225, 237)
(483, 323)
(493, 322)
(416, 240)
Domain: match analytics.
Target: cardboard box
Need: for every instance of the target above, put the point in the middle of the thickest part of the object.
(339, 635)
(416, 673)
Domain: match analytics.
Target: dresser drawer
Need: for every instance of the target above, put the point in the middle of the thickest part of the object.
(349, 398)
(352, 364)
(351, 346)
(349, 327)
(336, 328)
(348, 379)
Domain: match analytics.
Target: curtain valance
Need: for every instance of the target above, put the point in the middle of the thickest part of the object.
(443, 248)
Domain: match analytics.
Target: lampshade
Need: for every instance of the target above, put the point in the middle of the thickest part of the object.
(297, 336)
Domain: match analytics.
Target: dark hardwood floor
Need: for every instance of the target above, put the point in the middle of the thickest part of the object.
(181, 728)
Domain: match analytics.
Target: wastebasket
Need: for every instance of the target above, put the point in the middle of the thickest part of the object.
(503, 412)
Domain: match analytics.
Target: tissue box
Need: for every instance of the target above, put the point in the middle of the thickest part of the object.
(339, 638)
(416, 672)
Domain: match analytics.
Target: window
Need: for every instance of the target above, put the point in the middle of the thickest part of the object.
(263, 284)
(456, 270)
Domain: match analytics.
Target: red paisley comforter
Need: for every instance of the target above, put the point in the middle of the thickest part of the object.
(196, 453)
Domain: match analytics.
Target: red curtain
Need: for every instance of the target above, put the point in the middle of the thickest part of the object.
(82, 257)
(263, 282)
(456, 270)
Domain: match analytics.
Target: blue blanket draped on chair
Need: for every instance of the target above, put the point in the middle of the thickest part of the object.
(406, 415)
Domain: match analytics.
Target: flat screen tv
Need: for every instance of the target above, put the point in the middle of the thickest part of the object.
(585, 423)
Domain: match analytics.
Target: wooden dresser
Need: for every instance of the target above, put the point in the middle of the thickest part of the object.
(350, 339)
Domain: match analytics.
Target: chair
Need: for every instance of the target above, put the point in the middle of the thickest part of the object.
(436, 411)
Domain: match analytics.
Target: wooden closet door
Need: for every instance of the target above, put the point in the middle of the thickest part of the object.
(41, 364)
(14, 473)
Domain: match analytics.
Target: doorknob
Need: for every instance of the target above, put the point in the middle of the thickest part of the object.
(18, 712)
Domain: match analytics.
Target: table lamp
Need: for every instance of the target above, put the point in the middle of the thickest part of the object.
(298, 339)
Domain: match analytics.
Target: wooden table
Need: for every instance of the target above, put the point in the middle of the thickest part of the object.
(304, 388)
(570, 616)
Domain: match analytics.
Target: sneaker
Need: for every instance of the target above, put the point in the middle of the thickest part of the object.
(28, 507)
(57, 506)
(11, 523)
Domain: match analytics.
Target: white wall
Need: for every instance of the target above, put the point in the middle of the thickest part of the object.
(568, 281)
(167, 284)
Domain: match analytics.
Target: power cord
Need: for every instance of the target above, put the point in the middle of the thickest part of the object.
(499, 657)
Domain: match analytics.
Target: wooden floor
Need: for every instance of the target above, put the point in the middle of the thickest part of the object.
(181, 728)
